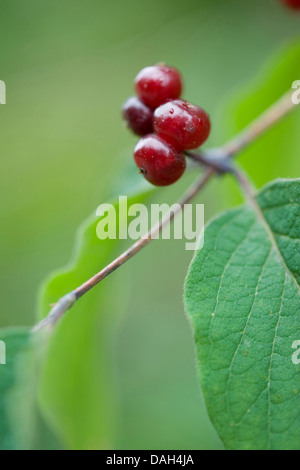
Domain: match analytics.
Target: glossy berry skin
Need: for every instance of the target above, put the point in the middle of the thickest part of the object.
(294, 4)
(182, 124)
(159, 162)
(138, 116)
(158, 83)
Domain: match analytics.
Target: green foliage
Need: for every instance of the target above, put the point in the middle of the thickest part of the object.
(21, 423)
(76, 393)
(16, 342)
(242, 295)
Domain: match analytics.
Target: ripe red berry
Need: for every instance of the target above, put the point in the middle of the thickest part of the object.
(158, 161)
(294, 4)
(154, 85)
(138, 116)
(182, 124)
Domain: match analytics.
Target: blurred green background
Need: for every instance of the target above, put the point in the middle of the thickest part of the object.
(68, 66)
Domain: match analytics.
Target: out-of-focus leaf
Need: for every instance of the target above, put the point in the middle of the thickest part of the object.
(21, 425)
(276, 153)
(76, 393)
(242, 295)
(13, 344)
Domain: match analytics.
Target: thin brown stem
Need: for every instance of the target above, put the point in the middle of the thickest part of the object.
(214, 160)
(152, 234)
(258, 127)
(244, 184)
(66, 302)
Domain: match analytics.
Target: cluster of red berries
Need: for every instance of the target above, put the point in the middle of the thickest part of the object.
(294, 4)
(168, 125)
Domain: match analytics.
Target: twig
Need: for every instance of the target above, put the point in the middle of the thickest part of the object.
(216, 161)
(245, 184)
(66, 302)
(212, 160)
(152, 234)
(266, 120)
(59, 309)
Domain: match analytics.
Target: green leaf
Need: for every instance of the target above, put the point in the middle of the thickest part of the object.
(77, 393)
(242, 296)
(21, 424)
(13, 344)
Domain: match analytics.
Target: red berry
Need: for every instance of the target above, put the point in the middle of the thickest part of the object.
(154, 85)
(182, 124)
(138, 116)
(158, 161)
(294, 4)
